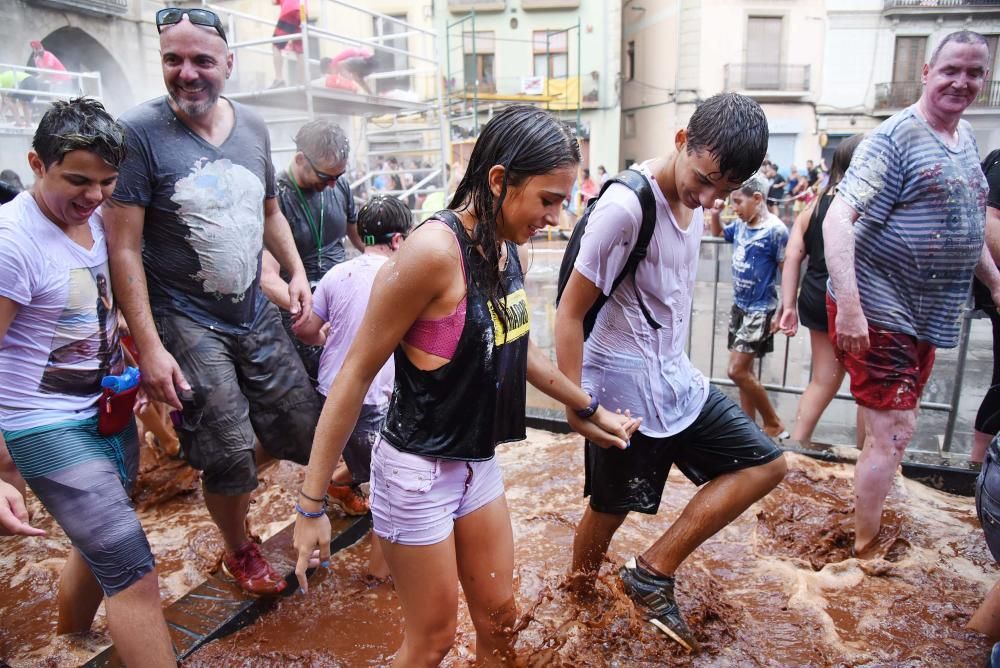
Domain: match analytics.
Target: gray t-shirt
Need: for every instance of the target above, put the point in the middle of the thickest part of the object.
(204, 230)
(922, 208)
(324, 214)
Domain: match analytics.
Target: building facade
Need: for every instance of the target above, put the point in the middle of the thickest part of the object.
(559, 54)
(875, 51)
(679, 52)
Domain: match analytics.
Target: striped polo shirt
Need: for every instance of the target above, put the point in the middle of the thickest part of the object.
(922, 208)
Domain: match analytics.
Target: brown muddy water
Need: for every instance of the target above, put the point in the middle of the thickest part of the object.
(775, 588)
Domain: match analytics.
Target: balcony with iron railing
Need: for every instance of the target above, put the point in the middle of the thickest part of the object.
(768, 80)
(895, 95)
(939, 6)
(93, 7)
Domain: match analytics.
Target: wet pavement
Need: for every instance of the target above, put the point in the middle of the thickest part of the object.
(775, 588)
(185, 543)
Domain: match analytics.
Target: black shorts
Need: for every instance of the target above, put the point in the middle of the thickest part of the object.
(282, 28)
(750, 332)
(359, 67)
(721, 440)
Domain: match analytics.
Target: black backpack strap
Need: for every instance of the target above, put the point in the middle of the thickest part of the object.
(637, 183)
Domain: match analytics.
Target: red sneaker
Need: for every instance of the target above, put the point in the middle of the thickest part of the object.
(349, 498)
(251, 571)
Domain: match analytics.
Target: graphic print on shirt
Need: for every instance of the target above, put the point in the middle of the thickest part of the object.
(85, 345)
(518, 318)
(222, 205)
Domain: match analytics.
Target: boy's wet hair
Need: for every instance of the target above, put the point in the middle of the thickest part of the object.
(81, 124)
(755, 184)
(322, 139)
(733, 129)
(382, 217)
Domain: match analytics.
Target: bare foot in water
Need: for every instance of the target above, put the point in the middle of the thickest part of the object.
(581, 586)
(884, 545)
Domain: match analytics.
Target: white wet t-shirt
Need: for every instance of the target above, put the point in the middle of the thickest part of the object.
(628, 364)
(64, 337)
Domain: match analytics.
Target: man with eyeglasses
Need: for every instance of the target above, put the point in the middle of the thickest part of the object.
(315, 195)
(194, 207)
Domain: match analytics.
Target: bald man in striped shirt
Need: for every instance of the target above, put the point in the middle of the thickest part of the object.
(903, 238)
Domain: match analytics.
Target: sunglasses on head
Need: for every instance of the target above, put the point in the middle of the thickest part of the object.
(322, 176)
(200, 17)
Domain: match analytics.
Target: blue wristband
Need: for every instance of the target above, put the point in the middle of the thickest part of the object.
(585, 413)
(305, 513)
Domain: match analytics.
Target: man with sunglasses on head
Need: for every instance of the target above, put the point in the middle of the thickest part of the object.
(194, 207)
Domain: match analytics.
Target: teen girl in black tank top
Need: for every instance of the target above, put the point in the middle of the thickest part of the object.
(477, 400)
(520, 171)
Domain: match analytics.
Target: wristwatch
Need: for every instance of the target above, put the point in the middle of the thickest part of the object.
(585, 413)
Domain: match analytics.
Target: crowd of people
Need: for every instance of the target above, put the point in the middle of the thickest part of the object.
(405, 367)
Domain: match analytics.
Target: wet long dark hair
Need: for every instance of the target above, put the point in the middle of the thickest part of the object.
(841, 161)
(527, 142)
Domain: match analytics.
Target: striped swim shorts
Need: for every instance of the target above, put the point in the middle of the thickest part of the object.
(82, 478)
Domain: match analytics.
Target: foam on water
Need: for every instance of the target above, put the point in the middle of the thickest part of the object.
(777, 587)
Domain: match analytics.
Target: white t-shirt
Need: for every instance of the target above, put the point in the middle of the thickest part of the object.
(341, 299)
(64, 337)
(626, 363)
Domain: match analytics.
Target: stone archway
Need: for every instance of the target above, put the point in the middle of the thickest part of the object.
(80, 52)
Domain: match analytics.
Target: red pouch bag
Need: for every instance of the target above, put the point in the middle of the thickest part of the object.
(115, 410)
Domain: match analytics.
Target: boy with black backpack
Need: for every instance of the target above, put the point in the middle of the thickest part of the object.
(634, 359)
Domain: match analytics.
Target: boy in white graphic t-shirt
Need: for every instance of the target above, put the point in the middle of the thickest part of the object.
(58, 339)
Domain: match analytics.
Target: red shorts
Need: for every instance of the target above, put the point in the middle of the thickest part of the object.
(891, 374)
(288, 24)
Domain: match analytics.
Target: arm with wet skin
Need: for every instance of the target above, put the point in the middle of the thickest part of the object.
(838, 241)
(603, 427)
(123, 225)
(278, 240)
(418, 274)
(579, 295)
(986, 268)
(274, 286)
(795, 253)
(13, 514)
(715, 218)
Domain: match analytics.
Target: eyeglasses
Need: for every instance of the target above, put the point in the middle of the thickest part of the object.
(169, 16)
(322, 176)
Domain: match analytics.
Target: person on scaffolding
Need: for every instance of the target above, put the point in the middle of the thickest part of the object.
(348, 69)
(289, 23)
(902, 239)
(634, 358)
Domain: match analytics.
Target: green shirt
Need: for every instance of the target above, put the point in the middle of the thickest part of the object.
(10, 78)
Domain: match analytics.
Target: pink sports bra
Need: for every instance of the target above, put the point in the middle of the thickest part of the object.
(440, 336)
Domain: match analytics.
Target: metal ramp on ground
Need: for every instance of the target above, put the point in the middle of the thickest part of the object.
(217, 607)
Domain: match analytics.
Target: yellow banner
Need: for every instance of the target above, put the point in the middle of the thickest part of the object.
(563, 93)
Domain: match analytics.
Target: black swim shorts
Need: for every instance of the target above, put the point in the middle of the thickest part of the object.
(721, 440)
